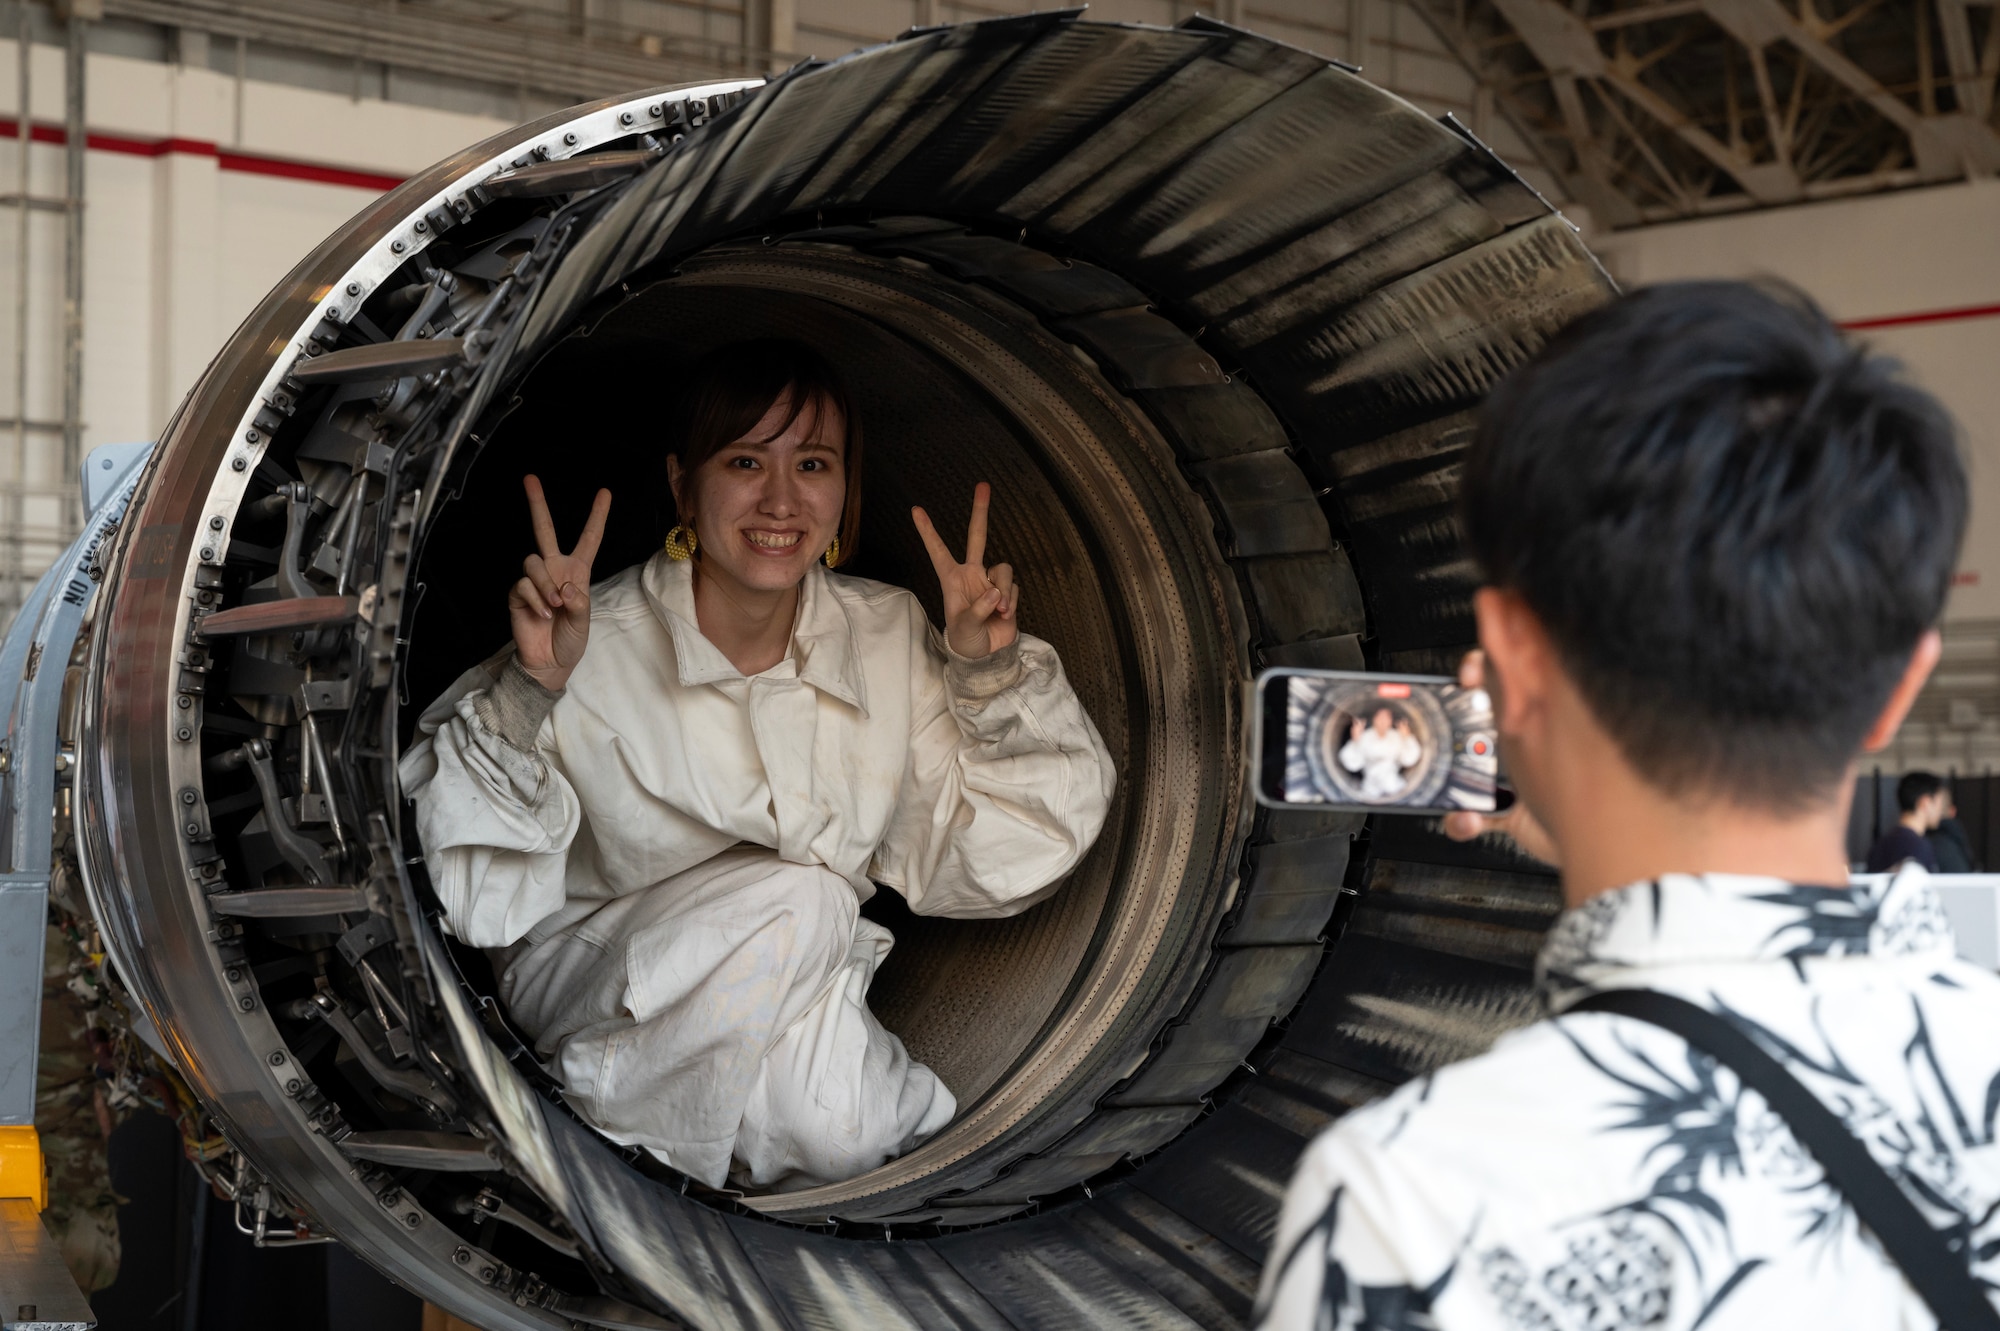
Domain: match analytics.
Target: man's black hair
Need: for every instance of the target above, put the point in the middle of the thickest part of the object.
(1915, 787)
(1735, 524)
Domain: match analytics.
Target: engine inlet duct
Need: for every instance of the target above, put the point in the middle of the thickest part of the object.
(1209, 311)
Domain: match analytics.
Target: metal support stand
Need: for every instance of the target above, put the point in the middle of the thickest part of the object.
(35, 1290)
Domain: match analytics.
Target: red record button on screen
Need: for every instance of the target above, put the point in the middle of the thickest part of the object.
(1479, 747)
(1392, 690)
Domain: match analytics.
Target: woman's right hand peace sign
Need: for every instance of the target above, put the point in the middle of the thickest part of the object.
(550, 605)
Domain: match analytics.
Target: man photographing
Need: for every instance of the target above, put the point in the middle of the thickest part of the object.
(1717, 539)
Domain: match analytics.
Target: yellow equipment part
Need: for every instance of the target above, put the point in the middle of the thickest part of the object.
(23, 1172)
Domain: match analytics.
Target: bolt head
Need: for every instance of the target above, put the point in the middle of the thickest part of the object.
(194, 829)
(420, 226)
(413, 1219)
(207, 552)
(183, 734)
(215, 523)
(246, 1002)
(463, 1256)
(626, 118)
(654, 110)
(570, 139)
(189, 796)
(237, 464)
(353, 288)
(277, 1058)
(233, 974)
(397, 247)
(294, 1086)
(487, 1273)
(251, 436)
(184, 702)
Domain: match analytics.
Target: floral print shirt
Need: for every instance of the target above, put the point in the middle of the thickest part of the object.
(1593, 1172)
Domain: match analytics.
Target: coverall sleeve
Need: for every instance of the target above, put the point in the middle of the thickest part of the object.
(1007, 783)
(494, 810)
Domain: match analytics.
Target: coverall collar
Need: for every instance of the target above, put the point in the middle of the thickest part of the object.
(823, 639)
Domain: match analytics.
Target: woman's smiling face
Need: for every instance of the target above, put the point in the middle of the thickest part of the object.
(767, 505)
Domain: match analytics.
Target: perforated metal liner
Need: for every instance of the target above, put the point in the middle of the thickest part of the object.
(1212, 313)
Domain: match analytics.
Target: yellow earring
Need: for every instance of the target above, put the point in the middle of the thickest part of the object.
(832, 555)
(681, 542)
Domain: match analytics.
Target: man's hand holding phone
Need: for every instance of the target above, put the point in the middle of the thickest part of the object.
(1516, 823)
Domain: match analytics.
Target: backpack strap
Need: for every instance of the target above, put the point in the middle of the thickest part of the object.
(1939, 1272)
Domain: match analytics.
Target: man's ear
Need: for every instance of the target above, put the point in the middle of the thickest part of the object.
(1519, 656)
(1922, 661)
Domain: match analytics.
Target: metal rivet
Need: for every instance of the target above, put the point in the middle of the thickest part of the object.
(237, 464)
(487, 1273)
(420, 226)
(278, 1059)
(183, 734)
(246, 1002)
(626, 117)
(184, 702)
(654, 110)
(194, 829)
(207, 552)
(233, 974)
(397, 247)
(189, 796)
(462, 1256)
(294, 1086)
(353, 288)
(251, 436)
(413, 1219)
(215, 523)
(570, 139)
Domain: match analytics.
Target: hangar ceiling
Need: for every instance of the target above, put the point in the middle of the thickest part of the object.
(1661, 109)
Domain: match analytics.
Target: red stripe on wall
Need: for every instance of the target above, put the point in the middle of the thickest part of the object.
(1924, 317)
(254, 164)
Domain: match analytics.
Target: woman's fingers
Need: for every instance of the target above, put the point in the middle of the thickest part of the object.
(975, 530)
(593, 532)
(546, 584)
(524, 595)
(941, 559)
(538, 514)
(1472, 670)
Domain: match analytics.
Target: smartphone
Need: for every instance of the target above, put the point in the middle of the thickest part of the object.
(1335, 739)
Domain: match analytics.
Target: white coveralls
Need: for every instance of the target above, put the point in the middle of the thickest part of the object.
(1381, 759)
(671, 857)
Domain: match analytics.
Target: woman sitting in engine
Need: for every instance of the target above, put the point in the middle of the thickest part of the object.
(667, 837)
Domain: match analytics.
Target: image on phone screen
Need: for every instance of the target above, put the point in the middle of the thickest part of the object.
(1341, 740)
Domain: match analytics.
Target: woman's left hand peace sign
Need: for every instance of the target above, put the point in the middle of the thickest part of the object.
(979, 602)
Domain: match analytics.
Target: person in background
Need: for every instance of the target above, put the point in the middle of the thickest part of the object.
(1950, 842)
(1920, 801)
(1717, 538)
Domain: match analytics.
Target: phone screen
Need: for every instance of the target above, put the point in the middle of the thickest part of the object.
(1377, 743)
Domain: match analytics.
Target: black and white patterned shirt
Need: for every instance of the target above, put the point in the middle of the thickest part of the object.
(1593, 1172)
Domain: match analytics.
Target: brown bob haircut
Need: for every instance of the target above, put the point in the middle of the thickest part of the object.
(729, 390)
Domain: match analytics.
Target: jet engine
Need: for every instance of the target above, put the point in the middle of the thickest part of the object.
(1211, 313)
